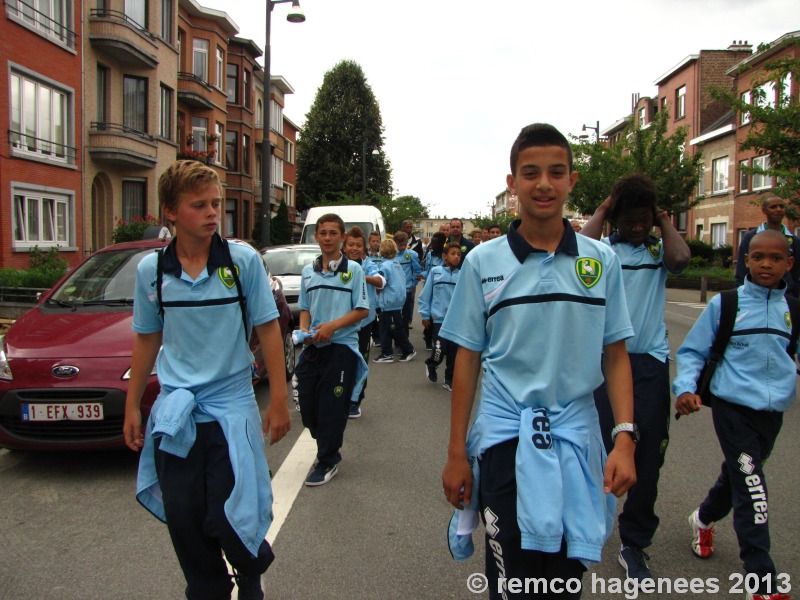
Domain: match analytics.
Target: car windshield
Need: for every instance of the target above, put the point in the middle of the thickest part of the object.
(107, 278)
(289, 262)
(308, 231)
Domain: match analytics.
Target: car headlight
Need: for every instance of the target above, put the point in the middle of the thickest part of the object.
(5, 368)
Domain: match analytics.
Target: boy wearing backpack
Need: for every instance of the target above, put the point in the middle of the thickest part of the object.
(752, 386)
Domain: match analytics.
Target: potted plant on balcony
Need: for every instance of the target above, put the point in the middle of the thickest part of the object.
(189, 140)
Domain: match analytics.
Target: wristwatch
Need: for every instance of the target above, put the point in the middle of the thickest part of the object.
(631, 428)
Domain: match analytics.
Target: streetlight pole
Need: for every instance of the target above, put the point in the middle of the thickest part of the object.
(596, 129)
(295, 16)
(364, 172)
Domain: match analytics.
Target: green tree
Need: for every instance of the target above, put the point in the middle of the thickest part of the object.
(343, 130)
(646, 150)
(774, 127)
(503, 219)
(281, 229)
(397, 210)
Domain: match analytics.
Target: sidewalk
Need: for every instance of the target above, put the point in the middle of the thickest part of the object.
(682, 295)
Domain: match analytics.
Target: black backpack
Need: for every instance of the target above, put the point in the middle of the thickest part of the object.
(730, 301)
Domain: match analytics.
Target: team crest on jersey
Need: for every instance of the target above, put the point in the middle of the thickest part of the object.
(589, 271)
(338, 391)
(788, 319)
(655, 249)
(226, 276)
(346, 277)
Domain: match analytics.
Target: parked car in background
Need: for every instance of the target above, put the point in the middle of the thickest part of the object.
(367, 217)
(65, 364)
(286, 264)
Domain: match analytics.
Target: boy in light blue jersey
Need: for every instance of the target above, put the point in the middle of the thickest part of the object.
(330, 371)
(433, 258)
(355, 250)
(433, 303)
(412, 268)
(203, 468)
(530, 310)
(632, 208)
(752, 386)
(374, 254)
(391, 301)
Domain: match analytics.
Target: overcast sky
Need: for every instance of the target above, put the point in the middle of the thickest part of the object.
(457, 79)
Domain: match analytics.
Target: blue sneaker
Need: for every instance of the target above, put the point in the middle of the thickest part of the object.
(635, 563)
(355, 410)
(321, 474)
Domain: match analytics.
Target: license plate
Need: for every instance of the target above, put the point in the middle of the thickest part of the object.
(86, 411)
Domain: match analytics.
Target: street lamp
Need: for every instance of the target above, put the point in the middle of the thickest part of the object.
(295, 16)
(364, 170)
(596, 129)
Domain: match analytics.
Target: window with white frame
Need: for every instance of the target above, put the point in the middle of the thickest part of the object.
(288, 152)
(231, 146)
(246, 92)
(166, 109)
(766, 94)
(230, 218)
(199, 133)
(785, 91)
(719, 175)
(701, 182)
(761, 181)
(136, 11)
(642, 116)
(232, 88)
(49, 18)
(288, 194)
(680, 102)
(682, 218)
(41, 218)
(40, 118)
(718, 234)
(219, 130)
(220, 68)
(744, 116)
(744, 181)
(259, 114)
(200, 58)
(134, 199)
(276, 116)
(277, 171)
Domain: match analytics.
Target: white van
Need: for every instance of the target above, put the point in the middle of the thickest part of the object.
(368, 218)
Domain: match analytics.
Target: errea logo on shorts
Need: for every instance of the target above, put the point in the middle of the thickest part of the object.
(492, 279)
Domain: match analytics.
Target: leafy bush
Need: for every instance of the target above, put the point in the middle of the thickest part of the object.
(32, 278)
(48, 262)
(133, 230)
(701, 249)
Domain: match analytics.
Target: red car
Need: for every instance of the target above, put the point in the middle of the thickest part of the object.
(65, 364)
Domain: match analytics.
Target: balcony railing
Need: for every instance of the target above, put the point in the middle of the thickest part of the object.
(104, 127)
(121, 17)
(41, 147)
(121, 144)
(26, 13)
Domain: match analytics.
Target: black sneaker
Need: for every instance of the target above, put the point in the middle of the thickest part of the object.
(321, 474)
(408, 357)
(635, 563)
(384, 358)
(249, 587)
(430, 372)
(355, 410)
(448, 385)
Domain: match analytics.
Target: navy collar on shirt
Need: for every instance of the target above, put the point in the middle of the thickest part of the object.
(616, 238)
(217, 257)
(342, 268)
(521, 248)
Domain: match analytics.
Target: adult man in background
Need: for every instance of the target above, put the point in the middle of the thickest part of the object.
(774, 210)
(456, 237)
(414, 243)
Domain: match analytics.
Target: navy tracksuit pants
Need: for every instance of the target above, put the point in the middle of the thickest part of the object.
(443, 350)
(746, 437)
(651, 412)
(194, 490)
(323, 381)
(505, 557)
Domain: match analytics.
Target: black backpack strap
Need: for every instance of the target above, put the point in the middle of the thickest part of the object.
(727, 319)
(159, 280)
(241, 298)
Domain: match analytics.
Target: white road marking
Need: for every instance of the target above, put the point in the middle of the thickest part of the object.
(698, 305)
(286, 484)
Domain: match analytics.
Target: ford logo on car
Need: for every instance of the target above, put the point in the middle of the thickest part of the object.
(65, 371)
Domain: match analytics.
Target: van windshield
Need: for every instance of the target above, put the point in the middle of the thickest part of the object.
(309, 229)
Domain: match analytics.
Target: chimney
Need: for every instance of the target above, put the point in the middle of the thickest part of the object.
(740, 46)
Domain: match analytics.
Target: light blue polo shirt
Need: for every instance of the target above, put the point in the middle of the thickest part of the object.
(645, 277)
(540, 320)
(203, 332)
(329, 296)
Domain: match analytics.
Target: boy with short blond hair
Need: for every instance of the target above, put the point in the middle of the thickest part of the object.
(203, 468)
(391, 301)
(752, 386)
(331, 371)
(412, 268)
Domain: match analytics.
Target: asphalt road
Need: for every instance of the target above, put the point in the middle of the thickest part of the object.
(70, 527)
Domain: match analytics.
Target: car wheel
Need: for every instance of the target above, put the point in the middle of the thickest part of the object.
(289, 353)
